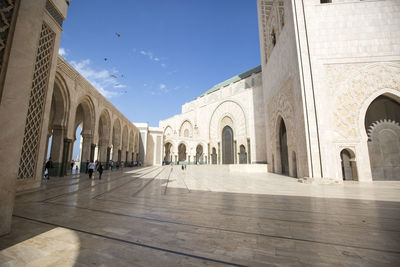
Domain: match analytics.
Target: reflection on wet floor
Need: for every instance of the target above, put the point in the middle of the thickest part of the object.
(203, 216)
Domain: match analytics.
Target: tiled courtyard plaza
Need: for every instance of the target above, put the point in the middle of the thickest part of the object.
(203, 216)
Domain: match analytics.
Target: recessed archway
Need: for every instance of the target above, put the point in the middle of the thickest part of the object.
(382, 123)
(182, 152)
(57, 129)
(283, 148)
(199, 154)
(168, 154)
(242, 155)
(349, 165)
(227, 146)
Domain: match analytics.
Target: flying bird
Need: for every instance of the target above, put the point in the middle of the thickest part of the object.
(117, 34)
(105, 59)
(113, 76)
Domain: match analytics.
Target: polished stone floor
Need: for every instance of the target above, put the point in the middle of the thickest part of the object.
(163, 216)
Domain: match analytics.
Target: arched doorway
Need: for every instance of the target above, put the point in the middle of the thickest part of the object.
(199, 154)
(57, 132)
(382, 125)
(349, 166)
(283, 148)
(214, 156)
(227, 146)
(182, 152)
(242, 155)
(84, 118)
(168, 156)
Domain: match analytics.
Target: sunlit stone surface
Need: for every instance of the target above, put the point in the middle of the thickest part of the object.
(204, 215)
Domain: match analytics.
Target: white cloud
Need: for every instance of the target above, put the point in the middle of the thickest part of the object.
(119, 86)
(162, 86)
(151, 57)
(62, 52)
(101, 80)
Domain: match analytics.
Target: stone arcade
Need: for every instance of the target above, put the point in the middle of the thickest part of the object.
(323, 106)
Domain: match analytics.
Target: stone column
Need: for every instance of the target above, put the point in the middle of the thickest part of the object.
(92, 151)
(115, 153)
(86, 150)
(108, 158)
(66, 162)
(56, 153)
(103, 152)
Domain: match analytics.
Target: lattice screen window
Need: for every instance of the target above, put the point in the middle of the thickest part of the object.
(266, 7)
(37, 100)
(6, 14)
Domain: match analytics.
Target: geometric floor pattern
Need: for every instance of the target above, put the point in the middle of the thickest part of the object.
(164, 216)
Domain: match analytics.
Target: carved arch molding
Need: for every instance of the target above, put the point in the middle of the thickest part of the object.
(357, 85)
(232, 110)
(280, 106)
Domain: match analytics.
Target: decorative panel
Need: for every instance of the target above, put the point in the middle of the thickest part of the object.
(7, 14)
(54, 13)
(37, 101)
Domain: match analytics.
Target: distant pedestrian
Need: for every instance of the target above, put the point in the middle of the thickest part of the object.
(49, 165)
(183, 167)
(91, 168)
(72, 164)
(111, 163)
(100, 169)
(117, 165)
(87, 166)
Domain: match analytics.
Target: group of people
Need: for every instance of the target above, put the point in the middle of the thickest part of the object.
(92, 166)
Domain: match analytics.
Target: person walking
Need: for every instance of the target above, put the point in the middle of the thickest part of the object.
(111, 164)
(91, 168)
(100, 169)
(49, 165)
(87, 166)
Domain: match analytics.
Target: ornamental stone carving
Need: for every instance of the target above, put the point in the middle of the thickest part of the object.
(235, 113)
(280, 106)
(357, 85)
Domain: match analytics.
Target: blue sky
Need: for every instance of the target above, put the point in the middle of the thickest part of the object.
(168, 52)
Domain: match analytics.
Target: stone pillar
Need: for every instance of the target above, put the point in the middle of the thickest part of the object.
(86, 150)
(26, 86)
(103, 152)
(92, 151)
(115, 154)
(235, 154)
(108, 158)
(56, 153)
(66, 162)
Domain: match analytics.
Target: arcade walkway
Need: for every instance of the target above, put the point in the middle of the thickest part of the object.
(163, 216)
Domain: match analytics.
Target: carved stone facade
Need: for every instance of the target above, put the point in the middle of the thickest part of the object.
(192, 136)
(321, 77)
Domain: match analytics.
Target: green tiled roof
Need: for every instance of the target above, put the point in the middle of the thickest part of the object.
(233, 80)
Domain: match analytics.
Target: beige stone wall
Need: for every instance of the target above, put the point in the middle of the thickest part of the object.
(354, 47)
(203, 119)
(281, 86)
